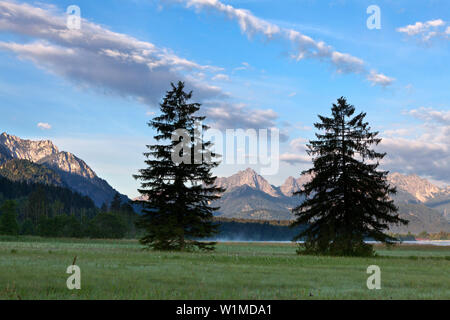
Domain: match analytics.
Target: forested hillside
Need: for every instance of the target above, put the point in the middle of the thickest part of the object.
(22, 170)
(44, 163)
(52, 211)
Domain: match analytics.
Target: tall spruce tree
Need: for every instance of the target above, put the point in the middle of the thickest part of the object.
(347, 199)
(177, 211)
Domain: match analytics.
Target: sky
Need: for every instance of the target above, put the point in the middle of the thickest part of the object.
(252, 64)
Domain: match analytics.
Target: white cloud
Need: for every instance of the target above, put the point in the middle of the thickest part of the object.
(115, 63)
(419, 156)
(302, 127)
(221, 77)
(430, 115)
(426, 30)
(228, 115)
(380, 79)
(244, 66)
(346, 63)
(425, 154)
(44, 126)
(300, 156)
(420, 27)
(436, 23)
(306, 47)
(292, 158)
(398, 132)
(422, 149)
(96, 57)
(298, 144)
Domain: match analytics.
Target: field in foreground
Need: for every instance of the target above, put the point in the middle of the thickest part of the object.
(34, 268)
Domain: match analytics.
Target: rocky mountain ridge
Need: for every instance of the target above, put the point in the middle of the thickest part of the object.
(75, 173)
(415, 187)
(251, 196)
(250, 178)
(17, 148)
(420, 188)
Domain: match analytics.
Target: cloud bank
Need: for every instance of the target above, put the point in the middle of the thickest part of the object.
(306, 47)
(427, 30)
(298, 154)
(114, 63)
(95, 56)
(427, 154)
(422, 149)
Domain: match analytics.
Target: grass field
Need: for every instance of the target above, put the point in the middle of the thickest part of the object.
(34, 268)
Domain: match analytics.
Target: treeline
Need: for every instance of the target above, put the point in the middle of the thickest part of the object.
(237, 229)
(434, 236)
(30, 172)
(50, 211)
(284, 223)
(44, 195)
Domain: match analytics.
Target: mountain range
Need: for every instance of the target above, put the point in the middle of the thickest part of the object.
(248, 195)
(41, 161)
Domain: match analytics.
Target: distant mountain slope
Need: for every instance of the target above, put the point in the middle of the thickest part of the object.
(412, 188)
(251, 203)
(403, 196)
(67, 162)
(74, 172)
(250, 178)
(440, 203)
(79, 176)
(69, 199)
(421, 218)
(250, 196)
(292, 185)
(21, 170)
(4, 154)
(420, 188)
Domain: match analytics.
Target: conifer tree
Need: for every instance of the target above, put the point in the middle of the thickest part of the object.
(347, 199)
(177, 211)
(8, 218)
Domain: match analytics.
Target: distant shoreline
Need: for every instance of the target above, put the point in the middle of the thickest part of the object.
(409, 242)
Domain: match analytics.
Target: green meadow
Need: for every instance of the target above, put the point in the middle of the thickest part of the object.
(35, 268)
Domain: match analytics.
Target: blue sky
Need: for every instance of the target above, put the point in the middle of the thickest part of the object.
(273, 64)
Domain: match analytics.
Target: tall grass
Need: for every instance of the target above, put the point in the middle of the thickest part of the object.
(34, 268)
